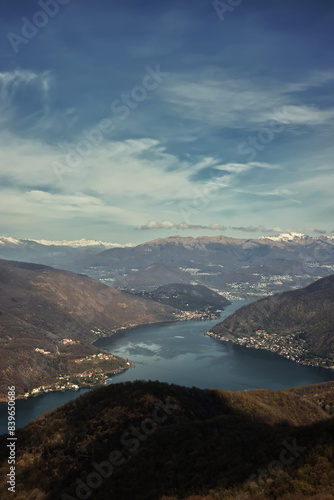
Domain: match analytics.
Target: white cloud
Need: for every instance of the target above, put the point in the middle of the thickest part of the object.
(129, 181)
(302, 115)
(154, 224)
(12, 82)
(123, 171)
(39, 208)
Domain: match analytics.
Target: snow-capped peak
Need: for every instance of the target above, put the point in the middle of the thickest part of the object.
(285, 237)
(9, 241)
(81, 243)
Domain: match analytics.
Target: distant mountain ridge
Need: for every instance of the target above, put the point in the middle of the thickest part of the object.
(241, 268)
(83, 242)
(305, 315)
(61, 254)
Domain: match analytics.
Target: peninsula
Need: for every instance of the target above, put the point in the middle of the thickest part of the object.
(298, 325)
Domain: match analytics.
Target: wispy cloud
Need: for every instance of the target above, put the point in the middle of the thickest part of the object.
(12, 80)
(153, 224)
(211, 227)
(24, 101)
(239, 102)
(302, 115)
(256, 229)
(315, 230)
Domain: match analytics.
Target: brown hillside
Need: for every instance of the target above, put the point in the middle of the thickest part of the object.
(40, 305)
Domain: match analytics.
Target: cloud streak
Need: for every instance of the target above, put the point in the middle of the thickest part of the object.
(154, 224)
(236, 102)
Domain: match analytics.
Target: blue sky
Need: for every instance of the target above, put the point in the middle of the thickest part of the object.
(128, 121)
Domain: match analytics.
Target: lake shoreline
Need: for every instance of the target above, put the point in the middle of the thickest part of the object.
(240, 342)
(179, 353)
(50, 390)
(110, 335)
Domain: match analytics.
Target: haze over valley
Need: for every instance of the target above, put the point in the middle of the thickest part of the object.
(240, 268)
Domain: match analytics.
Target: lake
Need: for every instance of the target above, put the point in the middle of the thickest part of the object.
(180, 353)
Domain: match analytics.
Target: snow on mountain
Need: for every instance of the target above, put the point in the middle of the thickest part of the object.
(83, 243)
(295, 236)
(9, 241)
(285, 237)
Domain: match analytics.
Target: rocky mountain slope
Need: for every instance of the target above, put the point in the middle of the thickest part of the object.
(300, 323)
(188, 297)
(40, 306)
(152, 441)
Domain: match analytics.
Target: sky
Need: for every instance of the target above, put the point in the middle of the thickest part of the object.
(135, 120)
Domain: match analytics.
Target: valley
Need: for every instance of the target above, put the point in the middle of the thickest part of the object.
(50, 319)
(42, 305)
(66, 332)
(180, 353)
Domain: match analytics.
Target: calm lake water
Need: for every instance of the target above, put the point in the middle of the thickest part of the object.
(180, 353)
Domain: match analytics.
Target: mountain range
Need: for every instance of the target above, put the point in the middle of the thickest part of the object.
(241, 268)
(63, 254)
